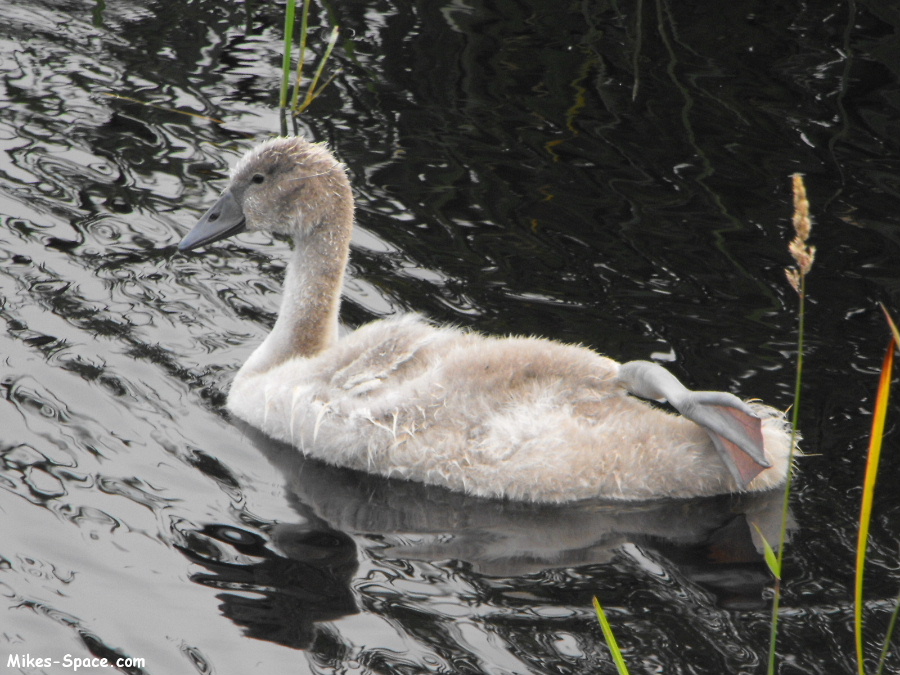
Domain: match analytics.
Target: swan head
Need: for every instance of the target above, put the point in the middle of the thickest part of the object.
(286, 185)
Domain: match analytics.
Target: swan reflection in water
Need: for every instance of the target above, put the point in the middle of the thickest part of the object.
(279, 581)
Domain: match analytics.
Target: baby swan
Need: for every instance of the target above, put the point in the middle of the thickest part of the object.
(521, 418)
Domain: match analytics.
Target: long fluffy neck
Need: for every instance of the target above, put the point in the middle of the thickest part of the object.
(308, 318)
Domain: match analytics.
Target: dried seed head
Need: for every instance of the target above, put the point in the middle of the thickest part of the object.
(802, 254)
(793, 278)
(802, 224)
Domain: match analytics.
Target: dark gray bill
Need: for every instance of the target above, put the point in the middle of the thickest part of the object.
(224, 219)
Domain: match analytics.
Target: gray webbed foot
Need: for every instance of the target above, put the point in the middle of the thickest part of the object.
(735, 430)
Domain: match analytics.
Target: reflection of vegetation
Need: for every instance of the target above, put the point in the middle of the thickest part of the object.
(167, 109)
(314, 88)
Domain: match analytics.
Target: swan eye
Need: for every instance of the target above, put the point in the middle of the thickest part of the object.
(257, 178)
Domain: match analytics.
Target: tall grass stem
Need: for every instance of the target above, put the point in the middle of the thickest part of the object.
(314, 89)
(289, 14)
(892, 626)
(301, 61)
(803, 256)
(315, 86)
(795, 417)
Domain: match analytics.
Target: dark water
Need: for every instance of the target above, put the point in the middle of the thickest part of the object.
(608, 173)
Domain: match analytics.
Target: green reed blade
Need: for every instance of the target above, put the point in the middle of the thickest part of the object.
(301, 61)
(289, 14)
(886, 648)
(313, 91)
(771, 558)
(610, 639)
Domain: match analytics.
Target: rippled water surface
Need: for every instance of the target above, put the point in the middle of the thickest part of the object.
(614, 174)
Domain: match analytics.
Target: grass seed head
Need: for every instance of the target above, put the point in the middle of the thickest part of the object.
(801, 252)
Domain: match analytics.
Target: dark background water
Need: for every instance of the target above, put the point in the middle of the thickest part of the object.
(614, 174)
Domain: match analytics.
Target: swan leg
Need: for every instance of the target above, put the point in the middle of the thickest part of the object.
(735, 430)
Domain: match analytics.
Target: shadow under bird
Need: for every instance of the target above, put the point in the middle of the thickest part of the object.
(514, 417)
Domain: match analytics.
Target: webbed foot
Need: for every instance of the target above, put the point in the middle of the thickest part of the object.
(734, 428)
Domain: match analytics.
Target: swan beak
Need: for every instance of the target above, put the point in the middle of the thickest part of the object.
(223, 219)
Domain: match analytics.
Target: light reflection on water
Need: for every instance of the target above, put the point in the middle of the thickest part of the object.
(510, 180)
